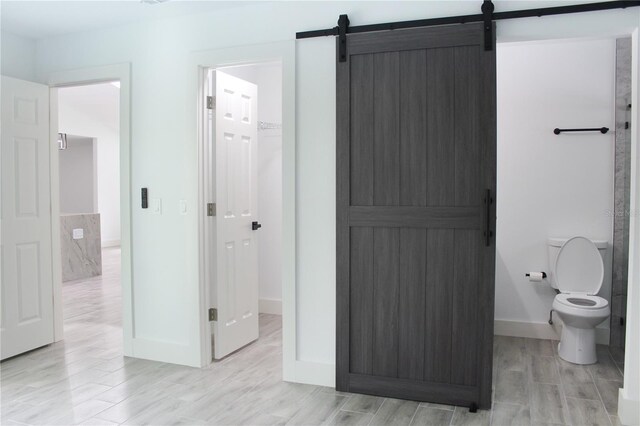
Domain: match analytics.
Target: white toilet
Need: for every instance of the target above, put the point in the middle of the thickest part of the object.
(577, 266)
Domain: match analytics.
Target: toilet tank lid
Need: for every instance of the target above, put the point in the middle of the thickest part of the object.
(559, 242)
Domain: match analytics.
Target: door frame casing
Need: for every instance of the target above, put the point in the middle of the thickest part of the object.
(81, 77)
(200, 63)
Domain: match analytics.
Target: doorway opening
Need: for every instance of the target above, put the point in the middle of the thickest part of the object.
(552, 186)
(243, 186)
(89, 212)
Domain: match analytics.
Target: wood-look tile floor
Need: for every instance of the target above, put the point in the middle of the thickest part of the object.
(86, 380)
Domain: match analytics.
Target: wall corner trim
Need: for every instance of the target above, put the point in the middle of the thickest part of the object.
(111, 243)
(315, 373)
(270, 306)
(628, 409)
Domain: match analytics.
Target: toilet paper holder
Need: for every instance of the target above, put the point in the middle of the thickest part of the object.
(544, 274)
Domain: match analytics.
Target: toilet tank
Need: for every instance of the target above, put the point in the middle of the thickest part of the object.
(554, 245)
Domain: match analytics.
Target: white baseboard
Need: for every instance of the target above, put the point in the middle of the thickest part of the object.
(628, 409)
(315, 373)
(320, 374)
(525, 329)
(270, 306)
(172, 353)
(537, 330)
(112, 243)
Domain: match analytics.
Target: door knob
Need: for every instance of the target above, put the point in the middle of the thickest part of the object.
(255, 226)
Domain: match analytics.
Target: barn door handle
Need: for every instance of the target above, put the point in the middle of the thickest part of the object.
(487, 226)
(255, 226)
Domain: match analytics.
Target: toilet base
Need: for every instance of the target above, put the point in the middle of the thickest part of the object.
(578, 345)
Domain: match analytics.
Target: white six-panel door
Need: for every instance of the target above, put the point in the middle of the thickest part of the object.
(27, 292)
(236, 177)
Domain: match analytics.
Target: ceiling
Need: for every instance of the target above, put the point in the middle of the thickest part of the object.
(42, 19)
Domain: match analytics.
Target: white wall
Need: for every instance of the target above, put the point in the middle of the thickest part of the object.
(268, 78)
(18, 56)
(551, 185)
(93, 111)
(164, 143)
(78, 176)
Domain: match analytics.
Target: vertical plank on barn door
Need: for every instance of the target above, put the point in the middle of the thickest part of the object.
(413, 192)
(361, 297)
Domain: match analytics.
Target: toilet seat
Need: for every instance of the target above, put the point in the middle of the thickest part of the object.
(579, 268)
(581, 301)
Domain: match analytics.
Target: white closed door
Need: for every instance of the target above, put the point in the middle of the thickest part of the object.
(236, 289)
(27, 289)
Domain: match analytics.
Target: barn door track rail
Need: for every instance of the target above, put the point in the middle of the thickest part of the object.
(486, 17)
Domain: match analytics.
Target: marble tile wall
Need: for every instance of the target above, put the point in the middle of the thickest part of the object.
(81, 258)
(622, 191)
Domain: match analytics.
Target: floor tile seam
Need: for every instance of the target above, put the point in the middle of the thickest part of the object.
(414, 414)
(598, 391)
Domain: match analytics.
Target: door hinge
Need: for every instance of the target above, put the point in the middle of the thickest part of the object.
(211, 102)
(213, 314)
(211, 209)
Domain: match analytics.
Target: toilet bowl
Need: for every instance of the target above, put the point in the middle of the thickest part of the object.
(578, 272)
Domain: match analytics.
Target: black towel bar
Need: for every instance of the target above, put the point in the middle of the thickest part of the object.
(602, 130)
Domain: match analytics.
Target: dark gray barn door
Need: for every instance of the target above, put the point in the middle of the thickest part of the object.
(415, 162)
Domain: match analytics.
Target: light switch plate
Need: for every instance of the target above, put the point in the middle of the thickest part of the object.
(182, 207)
(156, 206)
(78, 233)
